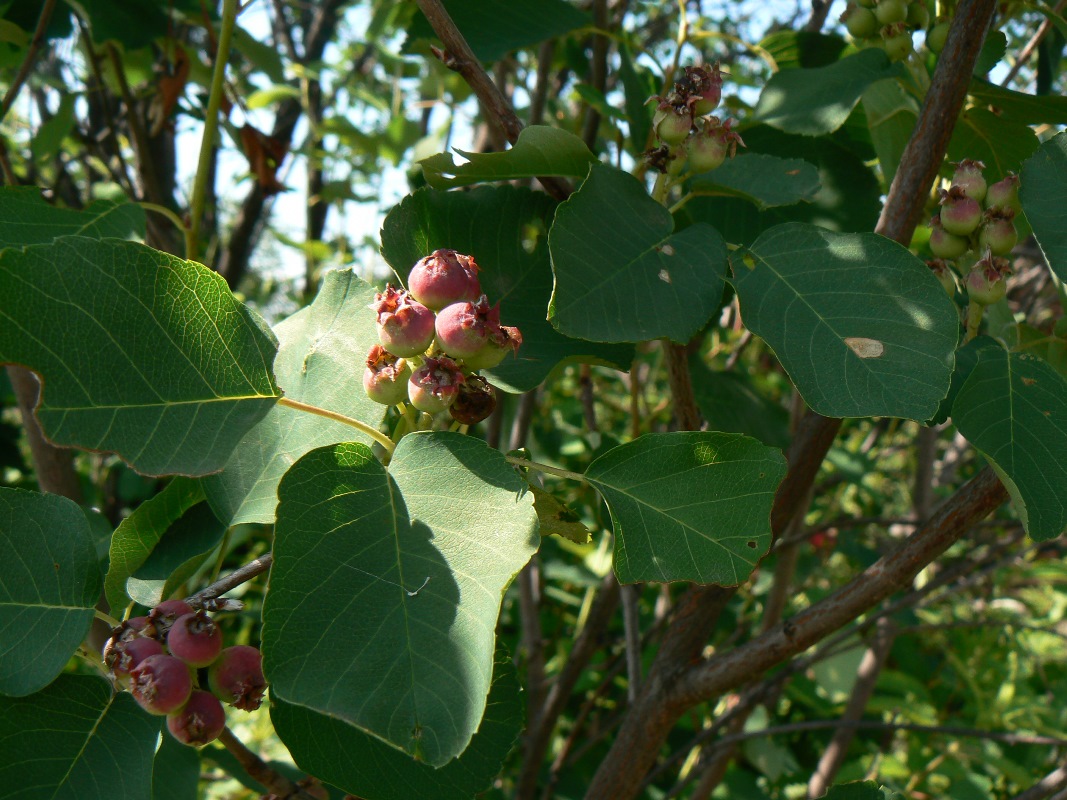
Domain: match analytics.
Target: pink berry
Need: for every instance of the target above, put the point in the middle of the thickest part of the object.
(199, 721)
(475, 401)
(1004, 194)
(386, 378)
(703, 88)
(162, 616)
(968, 176)
(960, 214)
(464, 328)
(986, 283)
(405, 327)
(442, 278)
(161, 684)
(998, 233)
(710, 146)
(122, 655)
(433, 386)
(195, 639)
(237, 677)
(944, 244)
(672, 122)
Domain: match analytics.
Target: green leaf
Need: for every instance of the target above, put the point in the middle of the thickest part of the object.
(50, 135)
(183, 550)
(731, 404)
(493, 28)
(261, 55)
(689, 506)
(1013, 409)
(993, 48)
(764, 181)
(155, 359)
(1043, 194)
(321, 356)
(539, 150)
(49, 584)
(137, 536)
(866, 790)
(1001, 144)
(554, 518)
(344, 756)
(503, 227)
(817, 101)
(638, 86)
(75, 740)
(621, 274)
(386, 587)
(860, 324)
(175, 771)
(891, 117)
(966, 359)
(25, 218)
(131, 23)
(792, 49)
(273, 94)
(1026, 109)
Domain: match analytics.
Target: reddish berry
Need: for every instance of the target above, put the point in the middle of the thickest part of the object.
(503, 339)
(464, 328)
(237, 677)
(998, 233)
(199, 721)
(943, 244)
(195, 639)
(702, 87)
(960, 214)
(475, 401)
(405, 327)
(861, 22)
(433, 386)
(943, 271)
(442, 278)
(986, 283)
(968, 176)
(672, 122)
(889, 12)
(122, 655)
(161, 684)
(936, 37)
(709, 148)
(162, 616)
(1004, 194)
(386, 378)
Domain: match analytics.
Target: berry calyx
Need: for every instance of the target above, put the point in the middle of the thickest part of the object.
(860, 22)
(195, 639)
(161, 684)
(433, 386)
(405, 327)
(463, 328)
(442, 278)
(712, 144)
(702, 87)
(237, 677)
(475, 401)
(1004, 193)
(199, 721)
(162, 617)
(503, 339)
(385, 380)
(672, 123)
(969, 177)
(960, 214)
(943, 272)
(998, 233)
(122, 655)
(944, 244)
(986, 283)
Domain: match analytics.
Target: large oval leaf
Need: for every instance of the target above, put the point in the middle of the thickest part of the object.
(77, 739)
(1013, 408)
(689, 506)
(763, 180)
(154, 358)
(1043, 193)
(860, 324)
(49, 584)
(25, 218)
(321, 354)
(622, 275)
(386, 587)
(503, 228)
(344, 756)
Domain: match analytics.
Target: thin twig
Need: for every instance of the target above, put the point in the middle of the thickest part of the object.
(1035, 40)
(631, 621)
(26, 67)
(231, 581)
(1051, 783)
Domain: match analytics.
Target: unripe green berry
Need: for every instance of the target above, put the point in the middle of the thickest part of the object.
(889, 12)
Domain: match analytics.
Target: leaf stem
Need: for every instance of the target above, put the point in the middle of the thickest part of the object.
(211, 123)
(559, 473)
(362, 427)
(166, 212)
(107, 619)
(974, 320)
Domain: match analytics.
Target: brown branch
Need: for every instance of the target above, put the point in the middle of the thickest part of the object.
(1051, 783)
(687, 415)
(231, 581)
(459, 57)
(260, 771)
(19, 80)
(1035, 40)
(820, 10)
(53, 466)
(598, 71)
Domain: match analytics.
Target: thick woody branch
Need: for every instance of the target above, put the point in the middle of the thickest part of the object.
(54, 466)
(276, 783)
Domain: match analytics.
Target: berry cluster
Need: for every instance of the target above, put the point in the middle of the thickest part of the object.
(158, 657)
(434, 337)
(975, 231)
(889, 24)
(688, 135)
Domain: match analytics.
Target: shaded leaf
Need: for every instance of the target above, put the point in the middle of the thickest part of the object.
(539, 150)
(765, 181)
(966, 359)
(25, 218)
(1013, 408)
(346, 757)
(817, 101)
(891, 117)
(155, 359)
(408, 570)
(175, 771)
(504, 229)
(860, 324)
(1001, 144)
(731, 404)
(322, 352)
(689, 506)
(638, 84)
(555, 519)
(621, 274)
(1026, 109)
(73, 738)
(49, 585)
(1043, 194)
(791, 49)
